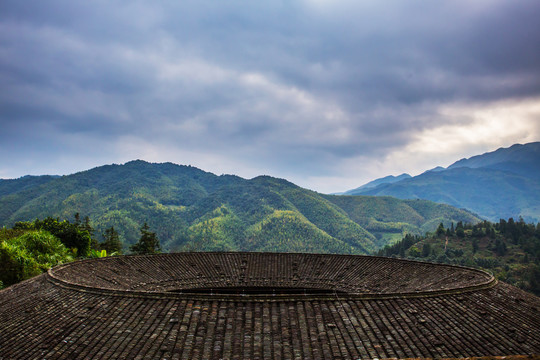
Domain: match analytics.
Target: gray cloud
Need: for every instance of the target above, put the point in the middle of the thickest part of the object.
(296, 88)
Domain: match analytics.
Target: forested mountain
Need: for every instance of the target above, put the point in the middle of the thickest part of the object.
(509, 249)
(500, 184)
(190, 209)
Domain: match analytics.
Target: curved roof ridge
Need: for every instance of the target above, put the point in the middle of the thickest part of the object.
(176, 275)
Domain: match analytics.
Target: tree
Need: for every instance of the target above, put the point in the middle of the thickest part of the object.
(112, 241)
(477, 232)
(440, 230)
(500, 247)
(474, 245)
(77, 219)
(460, 232)
(30, 254)
(426, 250)
(534, 279)
(87, 227)
(71, 235)
(147, 244)
(414, 252)
(402, 251)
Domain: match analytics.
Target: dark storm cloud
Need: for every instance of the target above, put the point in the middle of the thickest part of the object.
(278, 85)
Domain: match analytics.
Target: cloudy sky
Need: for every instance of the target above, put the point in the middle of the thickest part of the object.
(329, 94)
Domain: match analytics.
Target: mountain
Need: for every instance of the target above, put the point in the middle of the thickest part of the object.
(385, 180)
(500, 184)
(26, 182)
(191, 209)
(519, 159)
(435, 169)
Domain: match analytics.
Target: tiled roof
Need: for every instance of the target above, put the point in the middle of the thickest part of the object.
(262, 305)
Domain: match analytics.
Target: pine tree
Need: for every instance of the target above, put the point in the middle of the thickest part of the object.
(426, 250)
(77, 219)
(474, 245)
(460, 232)
(147, 244)
(500, 247)
(440, 230)
(86, 227)
(112, 241)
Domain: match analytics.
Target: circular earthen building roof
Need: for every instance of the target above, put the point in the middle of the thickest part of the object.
(265, 305)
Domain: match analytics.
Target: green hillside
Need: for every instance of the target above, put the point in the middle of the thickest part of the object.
(190, 209)
(389, 219)
(509, 249)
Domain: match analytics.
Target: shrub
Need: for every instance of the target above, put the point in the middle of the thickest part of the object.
(30, 254)
(16, 264)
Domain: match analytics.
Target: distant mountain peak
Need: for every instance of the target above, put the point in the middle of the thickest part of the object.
(390, 179)
(435, 169)
(517, 153)
(500, 184)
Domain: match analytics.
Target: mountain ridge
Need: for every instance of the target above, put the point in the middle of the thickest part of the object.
(500, 184)
(384, 180)
(191, 209)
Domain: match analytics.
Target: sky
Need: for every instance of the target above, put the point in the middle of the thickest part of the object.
(327, 94)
